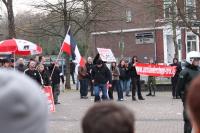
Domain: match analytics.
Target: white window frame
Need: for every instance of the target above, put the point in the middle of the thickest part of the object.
(197, 41)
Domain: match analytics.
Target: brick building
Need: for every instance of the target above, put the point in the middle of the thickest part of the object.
(136, 27)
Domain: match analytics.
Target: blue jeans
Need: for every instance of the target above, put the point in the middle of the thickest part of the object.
(97, 89)
(83, 87)
(125, 85)
(116, 84)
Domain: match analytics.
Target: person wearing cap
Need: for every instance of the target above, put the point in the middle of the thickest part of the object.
(101, 77)
(23, 107)
(185, 77)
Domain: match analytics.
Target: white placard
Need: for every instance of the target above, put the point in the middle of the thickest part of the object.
(106, 55)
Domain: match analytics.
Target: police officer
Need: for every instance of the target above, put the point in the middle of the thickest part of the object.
(185, 77)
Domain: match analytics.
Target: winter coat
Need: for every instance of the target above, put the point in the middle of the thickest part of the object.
(101, 75)
(185, 78)
(34, 74)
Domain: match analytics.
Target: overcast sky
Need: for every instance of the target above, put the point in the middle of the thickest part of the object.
(20, 6)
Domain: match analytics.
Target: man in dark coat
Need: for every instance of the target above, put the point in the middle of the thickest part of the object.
(33, 73)
(55, 80)
(101, 76)
(175, 78)
(185, 77)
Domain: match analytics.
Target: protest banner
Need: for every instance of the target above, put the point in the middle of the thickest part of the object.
(155, 70)
(106, 55)
(48, 92)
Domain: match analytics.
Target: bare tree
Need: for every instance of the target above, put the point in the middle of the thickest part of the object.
(11, 21)
(190, 15)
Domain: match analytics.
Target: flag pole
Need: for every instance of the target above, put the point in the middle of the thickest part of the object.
(59, 54)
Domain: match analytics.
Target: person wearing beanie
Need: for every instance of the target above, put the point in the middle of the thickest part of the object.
(23, 107)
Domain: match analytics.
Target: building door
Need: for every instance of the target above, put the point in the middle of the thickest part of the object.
(170, 49)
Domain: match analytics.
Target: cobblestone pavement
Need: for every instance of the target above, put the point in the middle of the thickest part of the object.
(160, 114)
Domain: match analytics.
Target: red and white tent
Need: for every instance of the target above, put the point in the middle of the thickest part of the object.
(19, 47)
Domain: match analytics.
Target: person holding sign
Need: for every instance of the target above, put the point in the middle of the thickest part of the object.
(135, 78)
(151, 82)
(175, 78)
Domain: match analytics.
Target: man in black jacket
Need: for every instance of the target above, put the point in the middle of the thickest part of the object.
(33, 73)
(185, 77)
(55, 79)
(101, 76)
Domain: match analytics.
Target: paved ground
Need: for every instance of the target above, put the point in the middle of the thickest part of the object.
(160, 114)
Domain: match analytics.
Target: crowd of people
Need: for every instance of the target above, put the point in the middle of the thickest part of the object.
(38, 70)
(25, 110)
(98, 77)
(95, 76)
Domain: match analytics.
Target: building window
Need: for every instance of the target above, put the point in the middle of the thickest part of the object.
(128, 15)
(191, 43)
(169, 8)
(144, 38)
(191, 9)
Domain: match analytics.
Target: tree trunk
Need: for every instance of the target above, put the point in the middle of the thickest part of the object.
(11, 20)
(175, 43)
(174, 25)
(66, 26)
(87, 28)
